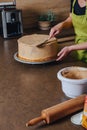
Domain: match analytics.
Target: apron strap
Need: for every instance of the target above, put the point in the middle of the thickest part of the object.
(73, 5)
(74, 2)
(86, 7)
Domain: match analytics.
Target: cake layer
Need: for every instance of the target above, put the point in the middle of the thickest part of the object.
(28, 50)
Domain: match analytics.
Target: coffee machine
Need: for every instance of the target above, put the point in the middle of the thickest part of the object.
(11, 20)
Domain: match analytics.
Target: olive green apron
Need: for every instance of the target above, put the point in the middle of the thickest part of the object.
(80, 28)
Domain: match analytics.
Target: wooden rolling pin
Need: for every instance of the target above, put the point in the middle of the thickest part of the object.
(59, 111)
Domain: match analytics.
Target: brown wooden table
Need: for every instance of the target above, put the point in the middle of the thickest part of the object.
(26, 89)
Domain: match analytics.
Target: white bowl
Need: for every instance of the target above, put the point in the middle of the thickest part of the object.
(73, 87)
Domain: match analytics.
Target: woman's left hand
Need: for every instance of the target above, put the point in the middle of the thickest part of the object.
(63, 53)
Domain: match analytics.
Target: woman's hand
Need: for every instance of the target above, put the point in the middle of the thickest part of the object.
(67, 49)
(55, 30)
(63, 53)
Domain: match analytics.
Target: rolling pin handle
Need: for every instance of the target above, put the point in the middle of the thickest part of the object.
(35, 121)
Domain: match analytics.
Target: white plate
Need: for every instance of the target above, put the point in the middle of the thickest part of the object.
(77, 118)
(28, 62)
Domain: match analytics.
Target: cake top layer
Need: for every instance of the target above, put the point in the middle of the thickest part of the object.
(34, 39)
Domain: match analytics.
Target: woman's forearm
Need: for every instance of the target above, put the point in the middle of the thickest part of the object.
(82, 46)
(68, 22)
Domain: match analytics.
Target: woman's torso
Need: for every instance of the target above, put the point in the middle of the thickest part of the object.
(79, 20)
(78, 10)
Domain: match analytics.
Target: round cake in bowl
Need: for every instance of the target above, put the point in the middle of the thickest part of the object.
(73, 80)
(29, 50)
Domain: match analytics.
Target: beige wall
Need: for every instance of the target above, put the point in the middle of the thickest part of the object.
(32, 8)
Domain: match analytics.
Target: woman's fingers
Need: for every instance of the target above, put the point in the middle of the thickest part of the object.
(53, 32)
(60, 56)
(63, 53)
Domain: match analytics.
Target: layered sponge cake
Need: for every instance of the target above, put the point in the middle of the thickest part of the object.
(29, 50)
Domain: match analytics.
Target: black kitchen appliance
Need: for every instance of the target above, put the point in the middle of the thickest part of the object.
(11, 20)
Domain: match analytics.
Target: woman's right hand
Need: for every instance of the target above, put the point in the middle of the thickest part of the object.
(55, 30)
